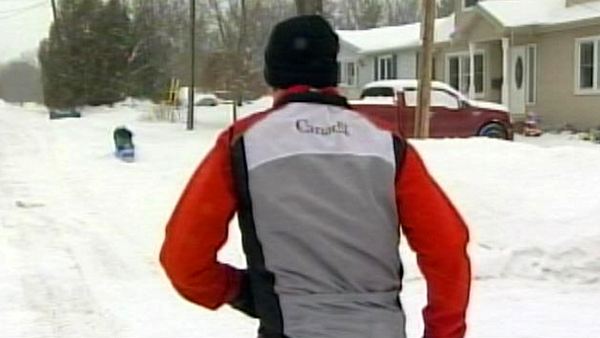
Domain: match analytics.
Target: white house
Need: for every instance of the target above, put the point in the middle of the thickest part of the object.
(383, 53)
(529, 55)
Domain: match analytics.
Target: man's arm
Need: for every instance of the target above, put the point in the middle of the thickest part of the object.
(198, 229)
(439, 236)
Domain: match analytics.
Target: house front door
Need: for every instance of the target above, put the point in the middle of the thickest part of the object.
(517, 80)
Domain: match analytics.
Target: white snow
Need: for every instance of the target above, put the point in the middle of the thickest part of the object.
(534, 212)
(381, 39)
(183, 95)
(488, 105)
(518, 13)
(80, 231)
(375, 100)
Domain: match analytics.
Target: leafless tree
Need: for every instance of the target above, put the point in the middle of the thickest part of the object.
(305, 7)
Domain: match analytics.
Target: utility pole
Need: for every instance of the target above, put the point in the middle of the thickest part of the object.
(191, 96)
(242, 57)
(53, 9)
(55, 15)
(426, 65)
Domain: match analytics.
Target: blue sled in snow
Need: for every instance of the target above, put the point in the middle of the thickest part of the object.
(127, 155)
(124, 148)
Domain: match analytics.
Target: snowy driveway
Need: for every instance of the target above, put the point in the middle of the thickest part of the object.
(80, 231)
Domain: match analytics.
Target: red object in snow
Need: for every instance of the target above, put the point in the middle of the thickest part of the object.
(531, 127)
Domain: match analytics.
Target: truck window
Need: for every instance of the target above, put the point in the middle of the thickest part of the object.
(442, 99)
(439, 99)
(410, 97)
(377, 92)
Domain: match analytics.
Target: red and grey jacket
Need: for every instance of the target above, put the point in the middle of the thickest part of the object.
(321, 194)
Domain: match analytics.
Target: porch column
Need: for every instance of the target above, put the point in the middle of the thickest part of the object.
(472, 70)
(505, 72)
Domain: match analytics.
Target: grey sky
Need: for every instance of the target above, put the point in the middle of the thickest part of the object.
(23, 24)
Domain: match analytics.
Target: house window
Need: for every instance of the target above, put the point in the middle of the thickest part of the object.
(459, 72)
(350, 74)
(519, 72)
(586, 65)
(531, 74)
(454, 71)
(587, 61)
(385, 67)
(479, 73)
(418, 66)
(465, 75)
(347, 74)
(470, 3)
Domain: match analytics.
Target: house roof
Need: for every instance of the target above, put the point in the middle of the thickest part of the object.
(520, 13)
(382, 39)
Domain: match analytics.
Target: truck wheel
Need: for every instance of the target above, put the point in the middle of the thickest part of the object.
(493, 130)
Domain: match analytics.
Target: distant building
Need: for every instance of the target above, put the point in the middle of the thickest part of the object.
(383, 53)
(529, 55)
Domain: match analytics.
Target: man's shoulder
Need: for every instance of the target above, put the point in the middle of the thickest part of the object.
(239, 127)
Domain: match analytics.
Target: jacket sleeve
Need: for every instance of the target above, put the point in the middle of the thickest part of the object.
(198, 229)
(439, 236)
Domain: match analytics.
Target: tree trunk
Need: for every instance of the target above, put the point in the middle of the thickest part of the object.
(307, 7)
(242, 55)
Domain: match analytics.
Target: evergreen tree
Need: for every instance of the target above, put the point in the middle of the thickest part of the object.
(85, 59)
(58, 77)
(114, 44)
(81, 42)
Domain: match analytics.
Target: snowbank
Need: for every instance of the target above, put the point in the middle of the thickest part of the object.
(134, 103)
(533, 211)
(533, 206)
(81, 230)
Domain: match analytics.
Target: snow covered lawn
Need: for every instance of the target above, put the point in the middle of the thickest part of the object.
(80, 231)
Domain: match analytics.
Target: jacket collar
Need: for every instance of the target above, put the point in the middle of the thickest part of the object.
(307, 94)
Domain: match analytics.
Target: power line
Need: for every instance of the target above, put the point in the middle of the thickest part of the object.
(54, 15)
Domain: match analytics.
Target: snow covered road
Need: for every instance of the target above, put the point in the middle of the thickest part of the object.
(80, 230)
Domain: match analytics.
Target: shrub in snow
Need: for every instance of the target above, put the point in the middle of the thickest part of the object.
(569, 128)
(593, 135)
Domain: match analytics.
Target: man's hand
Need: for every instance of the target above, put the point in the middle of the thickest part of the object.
(244, 301)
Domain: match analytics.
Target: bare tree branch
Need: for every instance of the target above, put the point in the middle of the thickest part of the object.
(305, 7)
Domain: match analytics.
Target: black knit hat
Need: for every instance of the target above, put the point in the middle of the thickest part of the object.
(302, 51)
